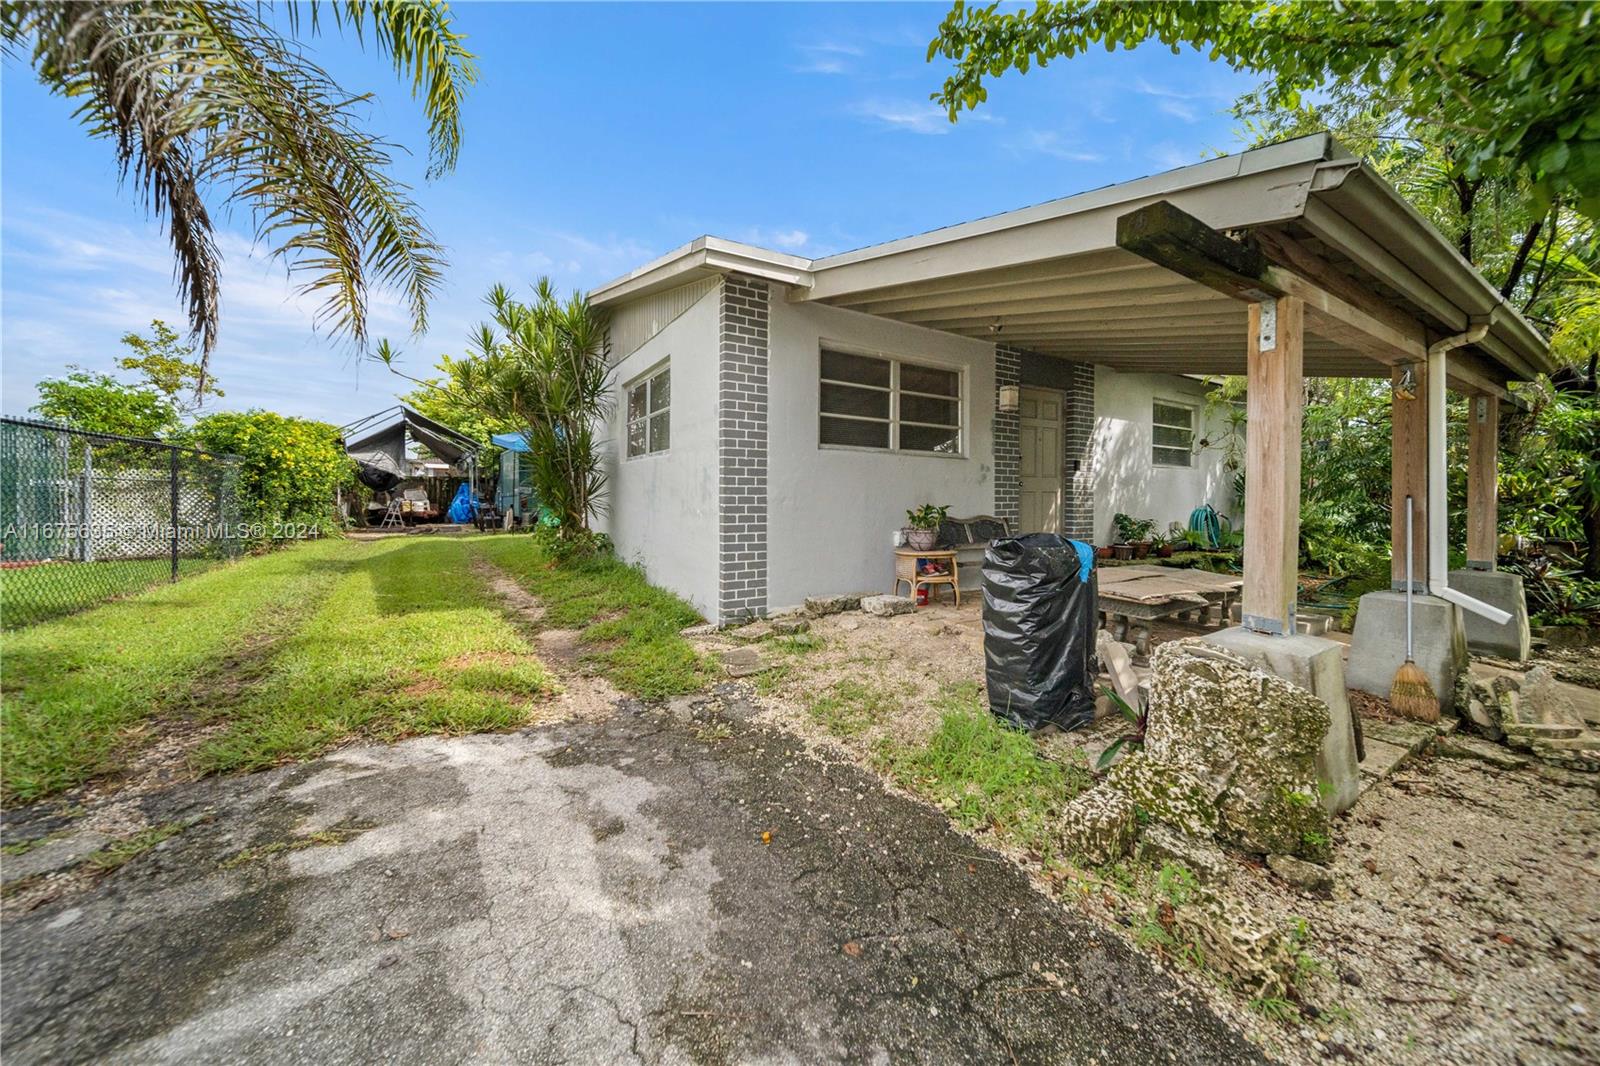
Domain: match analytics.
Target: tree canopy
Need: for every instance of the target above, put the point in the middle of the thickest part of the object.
(1516, 84)
(210, 103)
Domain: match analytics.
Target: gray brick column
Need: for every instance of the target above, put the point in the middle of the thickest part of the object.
(1077, 441)
(1007, 439)
(742, 450)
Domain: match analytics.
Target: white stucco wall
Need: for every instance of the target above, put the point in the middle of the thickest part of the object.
(832, 513)
(1125, 477)
(662, 511)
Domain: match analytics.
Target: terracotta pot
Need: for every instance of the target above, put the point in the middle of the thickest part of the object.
(1164, 552)
(1103, 552)
(1122, 551)
(1141, 549)
(922, 540)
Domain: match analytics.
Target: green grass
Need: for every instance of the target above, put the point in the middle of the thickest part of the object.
(630, 628)
(32, 594)
(849, 708)
(410, 640)
(982, 772)
(76, 691)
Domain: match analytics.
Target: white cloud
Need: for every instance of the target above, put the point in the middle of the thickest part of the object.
(1051, 143)
(1170, 156)
(1177, 109)
(790, 238)
(912, 116)
(828, 57)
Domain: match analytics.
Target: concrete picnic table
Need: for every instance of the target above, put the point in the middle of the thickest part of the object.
(1131, 597)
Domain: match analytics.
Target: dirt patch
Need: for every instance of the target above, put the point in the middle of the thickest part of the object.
(582, 694)
(1473, 939)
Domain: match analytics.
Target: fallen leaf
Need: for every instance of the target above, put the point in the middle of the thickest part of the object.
(972, 867)
(1505, 939)
(1371, 866)
(851, 948)
(766, 837)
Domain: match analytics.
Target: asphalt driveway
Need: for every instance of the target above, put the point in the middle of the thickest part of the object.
(583, 893)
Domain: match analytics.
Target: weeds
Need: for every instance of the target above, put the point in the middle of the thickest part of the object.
(850, 708)
(121, 852)
(984, 773)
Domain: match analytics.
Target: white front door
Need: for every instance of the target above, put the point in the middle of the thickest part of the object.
(1041, 461)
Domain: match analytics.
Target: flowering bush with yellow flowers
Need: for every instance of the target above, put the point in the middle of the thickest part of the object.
(289, 468)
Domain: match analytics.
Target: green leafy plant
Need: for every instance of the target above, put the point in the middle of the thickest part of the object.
(1130, 530)
(543, 365)
(289, 468)
(1132, 740)
(219, 105)
(928, 516)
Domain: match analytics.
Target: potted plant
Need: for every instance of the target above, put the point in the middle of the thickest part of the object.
(1135, 532)
(922, 526)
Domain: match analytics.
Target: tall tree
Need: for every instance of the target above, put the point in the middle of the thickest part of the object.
(1518, 84)
(541, 366)
(169, 366)
(210, 102)
(100, 403)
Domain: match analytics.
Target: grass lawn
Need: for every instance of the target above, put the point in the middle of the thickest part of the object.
(630, 627)
(282, 656)
(30, 594)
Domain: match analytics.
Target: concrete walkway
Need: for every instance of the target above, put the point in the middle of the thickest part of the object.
(583, 893)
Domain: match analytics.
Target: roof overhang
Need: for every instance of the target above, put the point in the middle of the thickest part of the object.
(1052, 278)
(700, 258)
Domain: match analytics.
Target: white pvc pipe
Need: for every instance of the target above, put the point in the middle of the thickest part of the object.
(1438, 481)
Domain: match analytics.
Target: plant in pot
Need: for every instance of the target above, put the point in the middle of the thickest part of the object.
(1134, 532)
(922, 526)
(1167, 544)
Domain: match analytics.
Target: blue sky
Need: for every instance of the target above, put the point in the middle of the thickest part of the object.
(596, 138)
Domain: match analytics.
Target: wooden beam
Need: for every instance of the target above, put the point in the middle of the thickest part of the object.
(1483, 444)
(1389, 338)
(1408, 434)
(1176, 240)
(1274, 406)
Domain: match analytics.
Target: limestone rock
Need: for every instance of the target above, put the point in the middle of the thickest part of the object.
(1165, 792)
(1250, 737)
(888, 606)
(751, 633)
(705, 629)
(1238, 941)
(788, 627)
(1301, 874)
(742, 662)
(1159, 844)
(1099, 825)
(1543, 700)
(817, 606)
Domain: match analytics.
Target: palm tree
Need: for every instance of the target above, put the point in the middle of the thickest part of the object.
(211, 103)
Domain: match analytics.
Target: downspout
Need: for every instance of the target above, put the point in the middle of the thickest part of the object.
(1438, 483)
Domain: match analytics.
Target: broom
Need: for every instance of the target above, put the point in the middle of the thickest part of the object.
(1410, 696)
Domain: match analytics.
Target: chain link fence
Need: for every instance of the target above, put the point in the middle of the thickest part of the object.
(85, 517)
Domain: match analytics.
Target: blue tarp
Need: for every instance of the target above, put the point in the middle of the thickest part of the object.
(511, 442)
(464, 508)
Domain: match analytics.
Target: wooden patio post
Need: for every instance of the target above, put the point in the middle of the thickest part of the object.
(1483, 504)
(1409, 474)
(1274, 406)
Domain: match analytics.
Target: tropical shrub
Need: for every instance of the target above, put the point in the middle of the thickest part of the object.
(289, 468)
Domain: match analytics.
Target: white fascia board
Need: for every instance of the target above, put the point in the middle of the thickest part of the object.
(1370, 205)
(702, 256)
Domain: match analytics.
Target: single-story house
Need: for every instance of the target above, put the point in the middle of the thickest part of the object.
(777, 415)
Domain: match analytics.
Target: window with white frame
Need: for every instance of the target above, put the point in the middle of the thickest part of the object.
(873, 402)
(1171, 434)
(650, 413)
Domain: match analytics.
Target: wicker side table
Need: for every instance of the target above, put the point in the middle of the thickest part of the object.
(905, 569)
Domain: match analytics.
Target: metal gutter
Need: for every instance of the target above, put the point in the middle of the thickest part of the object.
(1351, 207)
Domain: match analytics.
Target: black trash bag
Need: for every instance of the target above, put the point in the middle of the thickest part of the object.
(1039, 622)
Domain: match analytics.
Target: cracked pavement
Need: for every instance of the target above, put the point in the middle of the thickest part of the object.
(589, 892)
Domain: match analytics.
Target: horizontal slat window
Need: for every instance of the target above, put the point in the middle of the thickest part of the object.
(871, 402)
(1171, 434)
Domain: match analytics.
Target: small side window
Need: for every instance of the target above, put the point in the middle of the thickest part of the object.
(650, 414)
(1171, 434)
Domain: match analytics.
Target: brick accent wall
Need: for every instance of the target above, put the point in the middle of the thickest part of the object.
(742, 450)
(1077, 440)
(1007, 439)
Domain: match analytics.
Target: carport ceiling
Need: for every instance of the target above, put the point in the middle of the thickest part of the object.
(1110, 307)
